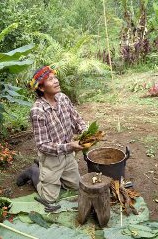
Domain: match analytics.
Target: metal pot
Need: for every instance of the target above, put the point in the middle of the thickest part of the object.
(110, 161)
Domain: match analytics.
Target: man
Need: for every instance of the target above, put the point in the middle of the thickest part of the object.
(54, 121)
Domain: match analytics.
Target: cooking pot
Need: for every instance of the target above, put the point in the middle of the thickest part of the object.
(110, 161)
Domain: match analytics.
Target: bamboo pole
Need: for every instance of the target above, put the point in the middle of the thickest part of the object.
(107, 39)
(16, 231)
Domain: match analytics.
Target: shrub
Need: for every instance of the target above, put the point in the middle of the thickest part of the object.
(6, 155)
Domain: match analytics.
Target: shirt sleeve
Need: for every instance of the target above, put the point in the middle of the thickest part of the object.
(79, 124)
(42, 139)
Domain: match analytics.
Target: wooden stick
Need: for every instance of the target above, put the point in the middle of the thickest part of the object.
(16, 231)
(107, 40)
(121, 215)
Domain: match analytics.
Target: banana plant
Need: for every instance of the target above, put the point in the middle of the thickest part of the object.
(12, 62)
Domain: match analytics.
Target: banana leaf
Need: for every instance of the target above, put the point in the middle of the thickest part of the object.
(15, 66)
(16, 53)
(38, 232)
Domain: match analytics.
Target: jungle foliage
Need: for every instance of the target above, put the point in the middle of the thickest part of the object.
(71, 36)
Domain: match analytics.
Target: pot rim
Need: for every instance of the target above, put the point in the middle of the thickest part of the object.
(106, 148)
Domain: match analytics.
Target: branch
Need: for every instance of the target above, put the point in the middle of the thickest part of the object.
(16, 231)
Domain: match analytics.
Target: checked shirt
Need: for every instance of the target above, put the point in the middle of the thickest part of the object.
(54, 127)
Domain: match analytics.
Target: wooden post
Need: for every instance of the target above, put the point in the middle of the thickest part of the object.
(94, 196)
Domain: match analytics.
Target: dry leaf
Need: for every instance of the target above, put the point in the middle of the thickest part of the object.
(93, 138)
(132, 193)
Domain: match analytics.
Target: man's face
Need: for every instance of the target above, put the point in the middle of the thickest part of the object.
(50, 85)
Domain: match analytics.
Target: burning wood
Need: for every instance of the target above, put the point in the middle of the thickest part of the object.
(126, 197)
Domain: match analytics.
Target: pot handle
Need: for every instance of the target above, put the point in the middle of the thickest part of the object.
(127, 153)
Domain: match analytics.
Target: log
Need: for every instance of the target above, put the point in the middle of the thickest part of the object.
(94, 196)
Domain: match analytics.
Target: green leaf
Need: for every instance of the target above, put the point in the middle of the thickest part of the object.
(66, 194)
(24, 218)
(2, 110)
(24, 49)
(22, 102)
(8, 97)
(139, 231)
(18, 52)
(14, 100)
(15, 66)
(12, 93)
(8, 30)
(27, 204)
(37, 218)
(93, 128)
(12, 87)
(4, 202)
(55, 231)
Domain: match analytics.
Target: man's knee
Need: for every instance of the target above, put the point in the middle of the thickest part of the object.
(50, 193)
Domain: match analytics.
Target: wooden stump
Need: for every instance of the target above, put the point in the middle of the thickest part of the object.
(94, 196)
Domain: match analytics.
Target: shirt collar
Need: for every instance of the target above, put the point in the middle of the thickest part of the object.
(46, 105)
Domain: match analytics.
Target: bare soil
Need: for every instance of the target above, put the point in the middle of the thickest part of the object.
(135, 126)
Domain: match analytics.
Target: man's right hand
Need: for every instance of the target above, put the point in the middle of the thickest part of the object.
(75, 146)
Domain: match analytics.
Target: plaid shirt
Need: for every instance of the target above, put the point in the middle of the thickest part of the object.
(54, 127)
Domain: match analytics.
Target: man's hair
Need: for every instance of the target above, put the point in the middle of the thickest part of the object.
(39, 93)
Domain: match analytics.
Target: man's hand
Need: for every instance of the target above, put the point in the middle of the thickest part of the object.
(75, 146)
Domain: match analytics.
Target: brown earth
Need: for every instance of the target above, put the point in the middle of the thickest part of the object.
(135, 126)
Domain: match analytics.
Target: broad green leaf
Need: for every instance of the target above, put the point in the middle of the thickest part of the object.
(139, 231)
(22, 102)
(15, 100)
(37, 218)
(12, 87)
(8, 30)
(12, 93)
(66, 219)
(8, 97)
(15, 54)
(54, 232)
(15, 66)
(27, 204)
(93, 128)
(23, 217)
(23, 49)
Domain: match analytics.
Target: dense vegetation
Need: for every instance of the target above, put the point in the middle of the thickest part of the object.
(71, 35)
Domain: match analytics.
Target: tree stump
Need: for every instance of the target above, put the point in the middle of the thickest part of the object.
(94, 196)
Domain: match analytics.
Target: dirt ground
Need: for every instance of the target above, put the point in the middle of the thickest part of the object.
(135, 126)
